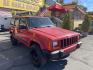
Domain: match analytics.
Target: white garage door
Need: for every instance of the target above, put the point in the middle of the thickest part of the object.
(5, 17)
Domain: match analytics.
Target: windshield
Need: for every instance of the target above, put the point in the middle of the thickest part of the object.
(40, 22)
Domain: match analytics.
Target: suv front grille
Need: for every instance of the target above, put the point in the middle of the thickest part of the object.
(69, 41)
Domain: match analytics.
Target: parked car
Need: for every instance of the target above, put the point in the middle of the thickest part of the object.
(46, 41)
(82, 34)
(91, 28)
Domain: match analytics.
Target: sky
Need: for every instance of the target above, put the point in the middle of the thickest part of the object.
(86, 3)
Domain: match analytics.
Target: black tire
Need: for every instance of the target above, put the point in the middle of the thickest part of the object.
(13, 41)
(37, 57)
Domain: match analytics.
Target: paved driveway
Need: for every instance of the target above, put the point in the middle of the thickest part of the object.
(17, 58)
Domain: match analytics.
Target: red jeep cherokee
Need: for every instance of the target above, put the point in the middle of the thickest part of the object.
(46, 41)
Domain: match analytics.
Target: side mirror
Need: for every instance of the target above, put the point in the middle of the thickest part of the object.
(22, 27)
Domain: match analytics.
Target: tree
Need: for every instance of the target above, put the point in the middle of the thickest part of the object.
(75, 1)
(60, 1)
(67, 22)
(86, 23)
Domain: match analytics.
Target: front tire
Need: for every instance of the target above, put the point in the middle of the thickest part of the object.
(37, 57)
(13, 41)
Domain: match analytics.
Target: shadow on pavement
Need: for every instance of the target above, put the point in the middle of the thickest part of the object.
(56, 65)
(5, 45)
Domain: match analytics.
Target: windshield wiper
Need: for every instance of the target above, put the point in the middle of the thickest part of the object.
(50, 26)
(45, 26)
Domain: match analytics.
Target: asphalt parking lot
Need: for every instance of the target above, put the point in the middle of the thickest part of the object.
(17, 57)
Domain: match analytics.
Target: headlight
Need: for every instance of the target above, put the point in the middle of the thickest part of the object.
(55, 43)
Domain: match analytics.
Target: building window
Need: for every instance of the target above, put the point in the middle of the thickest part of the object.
(5, 18)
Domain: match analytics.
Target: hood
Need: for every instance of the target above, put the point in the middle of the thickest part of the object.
(55, 32)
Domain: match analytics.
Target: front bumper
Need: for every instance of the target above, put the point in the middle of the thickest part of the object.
(63, 53)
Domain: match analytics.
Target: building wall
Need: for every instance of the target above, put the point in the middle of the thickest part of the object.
(5, 17)
(78, 17)
(77, 22)
(5, 21)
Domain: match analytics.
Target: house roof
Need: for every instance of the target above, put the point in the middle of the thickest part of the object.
(69, 6)
(73, 6)
(90, 14)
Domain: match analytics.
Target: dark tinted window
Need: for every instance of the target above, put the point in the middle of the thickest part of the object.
(23, 23)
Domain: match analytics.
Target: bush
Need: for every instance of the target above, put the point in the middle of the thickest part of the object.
(86, 24)
(67, 22)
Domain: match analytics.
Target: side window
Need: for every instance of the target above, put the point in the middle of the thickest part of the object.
(16, 23)
(23, 23)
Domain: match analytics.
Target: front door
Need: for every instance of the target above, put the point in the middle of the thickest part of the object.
(22, 31)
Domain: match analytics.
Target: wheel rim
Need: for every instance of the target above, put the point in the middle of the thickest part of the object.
(35, 58)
